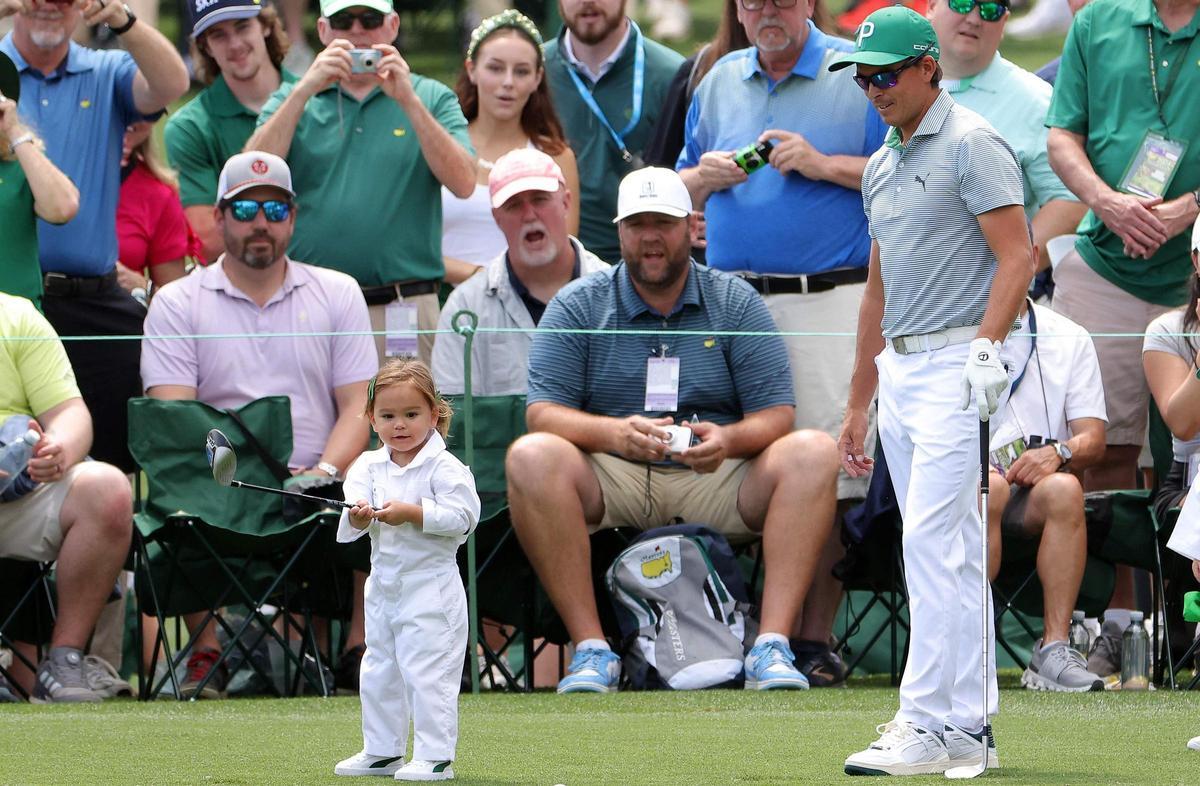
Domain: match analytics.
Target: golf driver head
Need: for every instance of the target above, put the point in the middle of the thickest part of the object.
(221, 457)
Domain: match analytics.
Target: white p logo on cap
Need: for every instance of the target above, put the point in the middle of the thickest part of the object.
(865, 31)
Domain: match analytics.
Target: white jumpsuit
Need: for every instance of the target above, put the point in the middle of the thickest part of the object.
(416, 609)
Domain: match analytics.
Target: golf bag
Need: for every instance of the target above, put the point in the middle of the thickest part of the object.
(681, 602)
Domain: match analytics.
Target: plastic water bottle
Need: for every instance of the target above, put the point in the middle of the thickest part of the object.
(15, 457)
(1079, 637)
(1135, 655)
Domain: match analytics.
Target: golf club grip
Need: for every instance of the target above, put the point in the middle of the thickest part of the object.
(985, 436)
(335, 503)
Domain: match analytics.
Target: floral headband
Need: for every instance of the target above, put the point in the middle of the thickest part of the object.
(510, 18)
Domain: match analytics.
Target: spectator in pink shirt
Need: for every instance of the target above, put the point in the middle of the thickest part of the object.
(253, 289)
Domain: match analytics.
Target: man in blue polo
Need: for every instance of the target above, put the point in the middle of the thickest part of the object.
(794, 230)
(80, 100)
(598, 408)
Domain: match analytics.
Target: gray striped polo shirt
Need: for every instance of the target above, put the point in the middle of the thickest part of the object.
(922, 201)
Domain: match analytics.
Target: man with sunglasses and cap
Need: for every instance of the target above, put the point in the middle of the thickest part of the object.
(255, 288)
(1012, 99)
(950, 262)
(80, 101)
(371, 146)
(238, 48)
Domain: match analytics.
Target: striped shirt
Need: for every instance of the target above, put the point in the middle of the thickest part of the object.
(922, 202)
(720, 377)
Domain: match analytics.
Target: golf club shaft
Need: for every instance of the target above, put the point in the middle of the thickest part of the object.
(984, 475)
(335, 503)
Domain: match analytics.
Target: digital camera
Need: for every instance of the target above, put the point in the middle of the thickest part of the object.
(364, 61)
(680, 439)
(752, 158)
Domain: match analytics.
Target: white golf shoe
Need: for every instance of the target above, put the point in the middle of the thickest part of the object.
(363, 763)
(421, 770)
(964, 749)
(902, 749)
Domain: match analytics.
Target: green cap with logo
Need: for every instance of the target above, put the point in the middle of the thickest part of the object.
(331, 7)
(888, 36)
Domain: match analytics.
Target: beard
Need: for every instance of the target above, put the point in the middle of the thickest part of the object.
(594, 31)
(255, 259)
(48, 39)
(541, 257)
(781, 42)
(676, 265)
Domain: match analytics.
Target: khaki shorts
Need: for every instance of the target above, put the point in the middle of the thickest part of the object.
(822, 365)
(31, 527)
(1100, 306)
(676, 495)
(428, 311)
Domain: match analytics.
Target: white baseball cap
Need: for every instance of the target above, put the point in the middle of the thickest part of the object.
(654, 189)
(250, 169)
(521, 170)
(1196, 235)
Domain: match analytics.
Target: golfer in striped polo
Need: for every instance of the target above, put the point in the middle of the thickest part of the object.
(951, 259)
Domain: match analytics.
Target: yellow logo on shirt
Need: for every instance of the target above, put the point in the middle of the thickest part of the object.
(85, 103)
(709, 343)
(399, 132)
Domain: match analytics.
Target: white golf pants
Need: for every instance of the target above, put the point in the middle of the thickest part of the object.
(932, 450)
(416, 635)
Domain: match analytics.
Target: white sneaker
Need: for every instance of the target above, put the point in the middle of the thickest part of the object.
(1194, 743)
(421, 770)
(363, 763)
(964, 749)
(902, 749)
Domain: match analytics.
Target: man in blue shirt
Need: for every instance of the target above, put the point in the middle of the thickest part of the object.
(598, 410)
(80, 100)
(795, 230)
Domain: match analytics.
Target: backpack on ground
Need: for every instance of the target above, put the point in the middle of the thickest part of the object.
(685, 616)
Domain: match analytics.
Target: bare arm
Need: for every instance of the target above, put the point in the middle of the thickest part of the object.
(69, 426)
(744, 439)
(55, 197)
(1087, 442)
(1006, 234)
(205, 226)
(458, 271)
(865, 377)
(1056, 217)
(1176, 391)
(715, 172)
(348, 438)
(166, 272)
(161, 77)
(330, 66)
(172, 392)
(590, 433)
(793, 153)
(1087, 449)
(1130, 217)
(570, 168)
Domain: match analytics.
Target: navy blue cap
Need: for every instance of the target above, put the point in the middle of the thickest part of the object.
(203, 14)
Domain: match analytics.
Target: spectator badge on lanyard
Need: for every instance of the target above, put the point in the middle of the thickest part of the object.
(1150, 172)
(401, 322)
(639, 81)
(662, 384)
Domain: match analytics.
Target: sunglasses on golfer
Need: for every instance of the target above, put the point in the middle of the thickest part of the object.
(370, 20)
(886, 80)
(989, 10)
(246, 210)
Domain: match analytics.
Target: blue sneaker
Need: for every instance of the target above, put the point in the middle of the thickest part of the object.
(592, 671)
(769, 666)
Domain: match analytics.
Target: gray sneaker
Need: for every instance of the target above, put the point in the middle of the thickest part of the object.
(102, 678)
(1059, 668)
(7, 694)
(1105, 657)
(60, 679)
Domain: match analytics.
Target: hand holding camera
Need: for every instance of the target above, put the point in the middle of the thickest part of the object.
(718, 171)
(331, 65)
(711, 450)
(793, 153)
(640, 438)
(395, 77)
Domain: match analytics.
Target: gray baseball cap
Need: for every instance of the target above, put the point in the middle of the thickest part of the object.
(251, 169)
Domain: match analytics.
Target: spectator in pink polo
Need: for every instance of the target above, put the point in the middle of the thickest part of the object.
(254, 289)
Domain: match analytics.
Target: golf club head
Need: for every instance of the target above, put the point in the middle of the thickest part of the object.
(969, 771)
(221, 457)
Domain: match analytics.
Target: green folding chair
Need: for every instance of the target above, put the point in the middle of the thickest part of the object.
(202, 547)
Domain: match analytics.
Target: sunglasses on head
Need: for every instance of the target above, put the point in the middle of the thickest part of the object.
(989, 10)
(246, 210)
(344, 20)
(885, 80)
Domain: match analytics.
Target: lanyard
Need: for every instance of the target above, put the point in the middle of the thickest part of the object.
(1159, 97)
(639, 80)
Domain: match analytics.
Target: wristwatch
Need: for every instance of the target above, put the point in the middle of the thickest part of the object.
(128, 23)
(1064, 453)
(22, 139)
(327, 468)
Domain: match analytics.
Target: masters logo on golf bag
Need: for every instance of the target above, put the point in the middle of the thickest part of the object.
(682, 606)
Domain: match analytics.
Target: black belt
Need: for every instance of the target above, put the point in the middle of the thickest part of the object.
(62, 285)
(804, 284)
(380, 296)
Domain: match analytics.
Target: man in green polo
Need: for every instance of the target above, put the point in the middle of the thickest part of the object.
(951, 259)
(1125, 137)
(370, 145)
(237, 48)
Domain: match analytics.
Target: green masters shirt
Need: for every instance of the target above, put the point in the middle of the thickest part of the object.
(20, 272)
(203, 135)
(368, 203)
(600, 163)
(1103, 92)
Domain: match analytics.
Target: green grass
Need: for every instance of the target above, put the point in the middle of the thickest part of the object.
(712, 737)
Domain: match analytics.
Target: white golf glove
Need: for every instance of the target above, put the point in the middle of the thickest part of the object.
(984, 377)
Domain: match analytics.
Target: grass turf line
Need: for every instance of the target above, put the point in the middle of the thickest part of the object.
(710, 737)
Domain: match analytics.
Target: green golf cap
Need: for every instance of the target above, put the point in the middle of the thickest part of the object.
(888, 36)
(331, 7)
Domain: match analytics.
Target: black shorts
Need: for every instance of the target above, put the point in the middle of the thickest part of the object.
(1012, 521)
